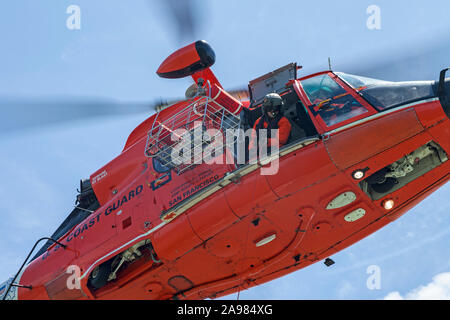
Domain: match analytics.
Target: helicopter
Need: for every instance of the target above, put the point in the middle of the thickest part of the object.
(361, 153)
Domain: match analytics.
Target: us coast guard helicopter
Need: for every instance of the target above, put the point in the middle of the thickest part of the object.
(361, 153)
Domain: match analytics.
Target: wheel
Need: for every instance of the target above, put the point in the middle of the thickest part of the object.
(99, 275)
(378, 177)
(385, 186)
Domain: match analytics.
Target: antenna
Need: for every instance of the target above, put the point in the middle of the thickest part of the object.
(329, 64)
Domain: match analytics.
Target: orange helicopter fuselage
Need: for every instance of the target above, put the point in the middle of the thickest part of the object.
(212, 229)
(217, 229)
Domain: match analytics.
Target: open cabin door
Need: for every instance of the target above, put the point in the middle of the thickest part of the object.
(274, 81)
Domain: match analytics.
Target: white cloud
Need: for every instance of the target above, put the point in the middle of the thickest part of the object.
(437, 289)
(393, 296)
(345, 290)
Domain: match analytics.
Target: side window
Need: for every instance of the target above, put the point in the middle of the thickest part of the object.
(332, 103)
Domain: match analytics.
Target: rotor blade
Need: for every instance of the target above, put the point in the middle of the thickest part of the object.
(424, 64)
(184, 15)
(164, 104)
(240, 93)
(21, 114)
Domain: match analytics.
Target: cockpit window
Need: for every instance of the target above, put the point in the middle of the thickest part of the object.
(331, 102)
(385, 94)
(358, 82)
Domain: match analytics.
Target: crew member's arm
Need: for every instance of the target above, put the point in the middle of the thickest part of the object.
(284, 130)
(253, 137)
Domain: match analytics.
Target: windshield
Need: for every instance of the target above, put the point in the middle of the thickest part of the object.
(331, 102)
(358, 82)
(385, 94)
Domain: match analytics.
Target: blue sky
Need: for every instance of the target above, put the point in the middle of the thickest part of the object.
(115, 55)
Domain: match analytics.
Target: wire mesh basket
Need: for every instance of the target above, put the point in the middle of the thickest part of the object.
(179, 142)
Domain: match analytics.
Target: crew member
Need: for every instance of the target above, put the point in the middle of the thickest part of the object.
(272, 118)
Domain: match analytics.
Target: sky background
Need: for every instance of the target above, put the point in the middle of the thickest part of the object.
(115, 55)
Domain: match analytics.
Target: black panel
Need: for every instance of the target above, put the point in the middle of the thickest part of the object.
(206, 53)
(86, 202)
(445, 98)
